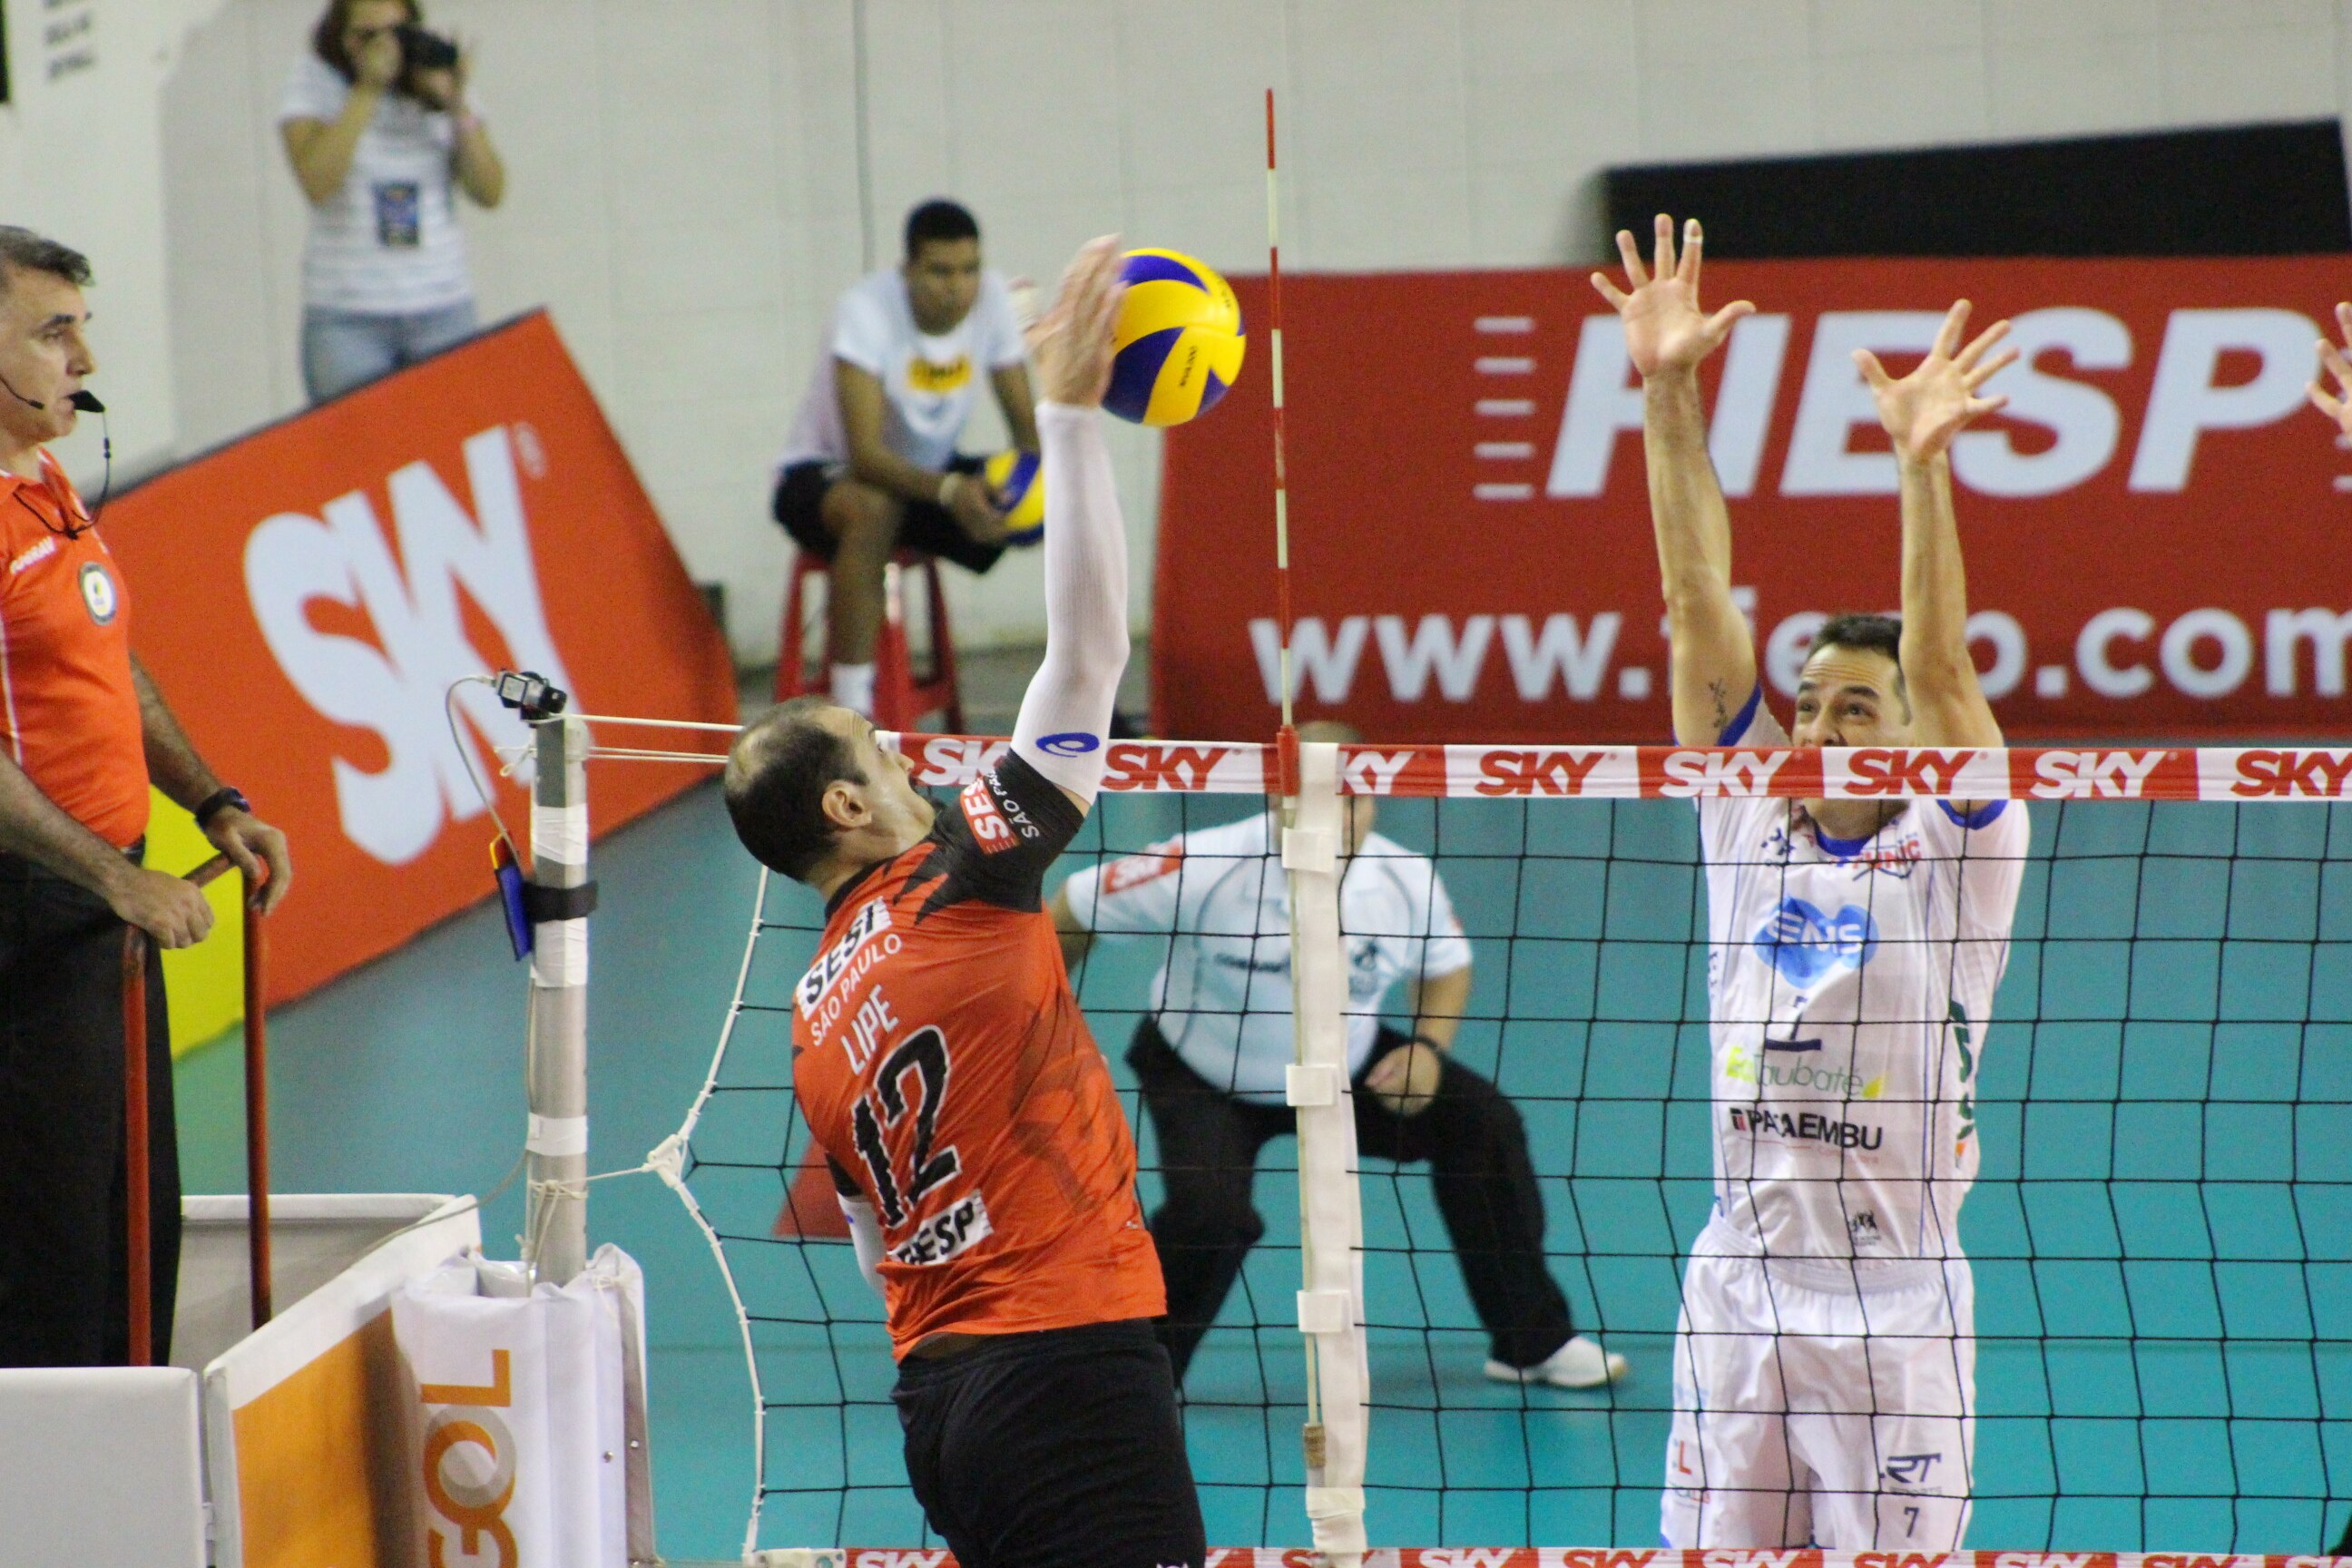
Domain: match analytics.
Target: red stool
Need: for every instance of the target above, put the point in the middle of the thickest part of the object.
(900, 697)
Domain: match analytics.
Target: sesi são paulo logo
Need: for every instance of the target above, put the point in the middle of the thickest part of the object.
(393, 685)
(1804, 944)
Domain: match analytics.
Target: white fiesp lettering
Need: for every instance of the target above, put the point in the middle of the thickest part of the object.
(1835, 399)
(2184, 402)
(2008, 639)
(2178, 653)
(394, 687)
(1433, 647)
(2100, 673)
(1330, 663)
(1785, 649)
(962, 1226)
(1580, 661)
(1602, 404)
(2082, 417)
(2325, 629)
(1743, 402)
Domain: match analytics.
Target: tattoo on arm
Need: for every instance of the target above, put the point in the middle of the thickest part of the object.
(1721, 693)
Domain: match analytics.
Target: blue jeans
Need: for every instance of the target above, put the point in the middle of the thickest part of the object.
(345, 348)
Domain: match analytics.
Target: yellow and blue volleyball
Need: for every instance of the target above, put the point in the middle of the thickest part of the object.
(1020, 492)
(1179, 339)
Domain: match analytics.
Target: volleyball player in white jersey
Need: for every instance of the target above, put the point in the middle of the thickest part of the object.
(1824, 1362)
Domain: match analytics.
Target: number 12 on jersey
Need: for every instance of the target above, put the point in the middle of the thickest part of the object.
(924, 1055)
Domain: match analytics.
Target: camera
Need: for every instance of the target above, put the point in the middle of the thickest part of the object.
(424, 51)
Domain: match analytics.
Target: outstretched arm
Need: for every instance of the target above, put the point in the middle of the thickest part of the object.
(1065, 716)
(2336, 405)
(1922, 412)
(1667, 335)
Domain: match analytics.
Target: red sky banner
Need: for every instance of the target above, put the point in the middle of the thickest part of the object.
(305, 597)
(2158, 536)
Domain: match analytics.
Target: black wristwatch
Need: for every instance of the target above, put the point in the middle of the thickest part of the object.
(220, 800)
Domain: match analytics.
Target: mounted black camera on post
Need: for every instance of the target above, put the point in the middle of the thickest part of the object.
(424, 51)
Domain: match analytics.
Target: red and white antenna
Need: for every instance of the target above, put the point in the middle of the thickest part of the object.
(1288, 740)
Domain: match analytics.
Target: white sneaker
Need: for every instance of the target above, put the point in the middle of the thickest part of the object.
(1580, 1363)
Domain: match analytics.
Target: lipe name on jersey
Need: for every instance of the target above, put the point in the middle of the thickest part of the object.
(1807, 1127)
(963, 1224)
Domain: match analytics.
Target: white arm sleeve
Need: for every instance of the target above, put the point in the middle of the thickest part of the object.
(1065, 716)
(866, 1235)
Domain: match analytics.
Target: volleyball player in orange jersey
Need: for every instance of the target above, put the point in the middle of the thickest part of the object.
(974, 1135)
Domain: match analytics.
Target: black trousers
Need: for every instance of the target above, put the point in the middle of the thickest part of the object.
(1056, 1449)
(1476, 1147)
(64, 1267)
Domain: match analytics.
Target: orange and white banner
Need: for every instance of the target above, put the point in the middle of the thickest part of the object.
(2151, 525)
(305, 595)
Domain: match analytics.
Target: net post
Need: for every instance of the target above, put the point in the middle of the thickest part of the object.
(138, 1217)
(256, 1110)
(1331, 1239)
(555, 1226)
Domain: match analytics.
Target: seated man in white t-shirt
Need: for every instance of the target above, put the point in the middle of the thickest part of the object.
(872, 462)
(1211, 1057)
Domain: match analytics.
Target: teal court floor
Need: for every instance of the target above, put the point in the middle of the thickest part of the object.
(2163, 1231)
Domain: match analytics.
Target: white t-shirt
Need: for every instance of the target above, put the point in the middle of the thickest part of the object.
(1851, 984)
(930, 383)
(1223, 993)
(387, 244)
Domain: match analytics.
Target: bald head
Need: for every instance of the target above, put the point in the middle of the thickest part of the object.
(777, 773)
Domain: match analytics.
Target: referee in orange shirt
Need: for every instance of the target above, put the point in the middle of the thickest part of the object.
(82, 732)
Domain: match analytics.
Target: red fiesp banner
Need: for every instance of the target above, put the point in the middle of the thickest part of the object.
(305, 595)
(2151, 526)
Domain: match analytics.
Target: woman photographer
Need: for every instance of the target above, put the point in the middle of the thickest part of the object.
(381, 136)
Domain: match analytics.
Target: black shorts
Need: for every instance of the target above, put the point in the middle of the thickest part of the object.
(923, 525)
(1056, 1449)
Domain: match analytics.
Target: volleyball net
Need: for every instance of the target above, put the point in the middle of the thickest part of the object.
(2161, 1231)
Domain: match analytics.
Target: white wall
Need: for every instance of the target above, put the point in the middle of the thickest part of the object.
(80, 159)
(684, 188)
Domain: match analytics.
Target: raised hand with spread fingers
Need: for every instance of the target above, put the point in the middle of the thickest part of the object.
(1924, 410)
(1667, 334)
(2336, 405)
(1665, 328)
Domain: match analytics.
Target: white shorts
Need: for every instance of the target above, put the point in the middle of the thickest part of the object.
(1820, 1414)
